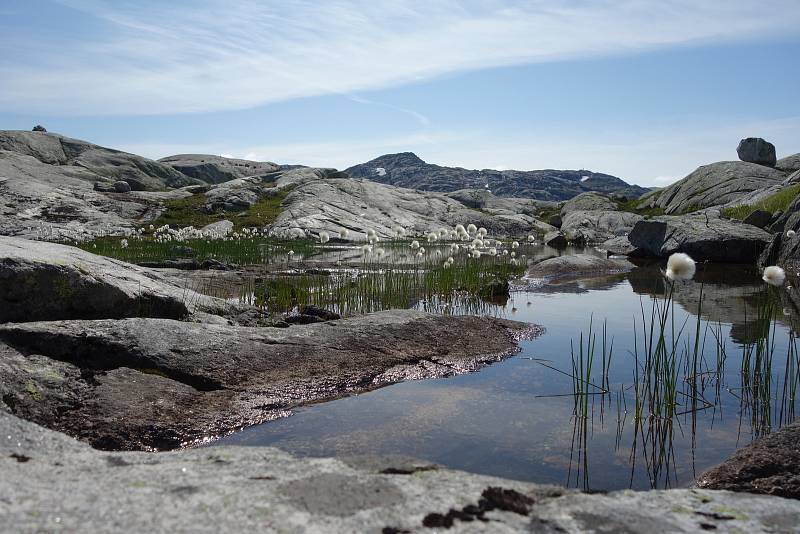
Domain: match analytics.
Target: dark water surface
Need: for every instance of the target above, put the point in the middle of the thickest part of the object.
(516, 419)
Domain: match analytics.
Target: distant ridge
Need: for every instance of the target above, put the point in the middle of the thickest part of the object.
(406, 169)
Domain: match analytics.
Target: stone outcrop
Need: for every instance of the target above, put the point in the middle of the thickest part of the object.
(713, 185)
(577, 266)
(789, 164)
(769, 465)
(218, 169)
(216, 489)
(589, 201)
(48, 281)
(146, 383)
(703, 237)
(756, 150)
(408, 170)
(597, 226)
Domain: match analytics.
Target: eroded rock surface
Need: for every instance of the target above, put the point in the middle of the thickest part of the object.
(217, 169)
(159, 383)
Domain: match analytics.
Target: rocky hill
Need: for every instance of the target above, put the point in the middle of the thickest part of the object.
(406, 169)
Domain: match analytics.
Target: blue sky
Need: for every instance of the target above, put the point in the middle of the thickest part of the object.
(647, 90)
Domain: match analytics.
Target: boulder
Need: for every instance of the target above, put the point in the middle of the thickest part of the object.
(122, 186)
(106, 187)
(47, 281)
(619, 246)
(711, 185)
(704, 238)
(555, 221)
(770, 465)
(144, 383)
(597, 226)
(555, 239)
(577, 266)
(39, 128)
(756, 150)
(758, 218)
(789, 164)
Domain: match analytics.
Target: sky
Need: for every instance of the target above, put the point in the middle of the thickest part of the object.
(646, 90)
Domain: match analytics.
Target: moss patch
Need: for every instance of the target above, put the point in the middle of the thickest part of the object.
(779, 201)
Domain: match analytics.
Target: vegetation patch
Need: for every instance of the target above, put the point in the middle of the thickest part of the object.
(779, 201)
(632, 206)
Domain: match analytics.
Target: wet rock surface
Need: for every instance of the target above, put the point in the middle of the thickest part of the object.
(52, 482)
(159, 383)
(770, 465)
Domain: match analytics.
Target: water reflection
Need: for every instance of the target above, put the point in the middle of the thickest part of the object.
(521, 419)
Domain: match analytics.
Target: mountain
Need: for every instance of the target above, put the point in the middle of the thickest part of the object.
(406, 169)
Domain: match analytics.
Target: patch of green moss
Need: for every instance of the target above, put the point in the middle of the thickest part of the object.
(779, 201)
(32, 390)
(182, 212)
(632, 206)
(262, 213)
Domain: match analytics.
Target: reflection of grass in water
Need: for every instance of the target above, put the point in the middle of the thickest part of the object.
(671, 374)
(460, 287)
(241, 251)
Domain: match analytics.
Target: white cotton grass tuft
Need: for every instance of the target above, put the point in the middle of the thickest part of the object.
(482, 232)
(432, 237)
(680, 266)
(476, 254)
(124, 243)
(531, 238)
(324, 237)
(343, 233)
(290, 253)
(774, 276)
(515, 244)
(415, 244)
(471, 229)
(790, 234)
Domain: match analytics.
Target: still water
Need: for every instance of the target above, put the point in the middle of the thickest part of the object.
(517, 418)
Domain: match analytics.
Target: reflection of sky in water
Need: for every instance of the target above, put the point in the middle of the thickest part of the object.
(501, 421)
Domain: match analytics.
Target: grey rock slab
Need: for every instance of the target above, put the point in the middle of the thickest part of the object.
(53, 483)
(704, 238)
(49, 281)
(217, 169)
(576, 266)
(758, 218)
(589, 201)
(715, 184)
(789, 164)
(555, 239)
(160, 383)
(756, 150)
(596, 226)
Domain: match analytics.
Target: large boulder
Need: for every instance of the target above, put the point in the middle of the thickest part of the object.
(704, 238)
(218, 169)
(716, 184)
(577, 266)
(48, 281)
(756, 150)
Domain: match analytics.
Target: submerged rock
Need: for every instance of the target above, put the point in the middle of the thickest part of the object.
(577, 266)
(704, 238)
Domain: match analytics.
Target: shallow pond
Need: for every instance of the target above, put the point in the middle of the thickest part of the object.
(520, 418)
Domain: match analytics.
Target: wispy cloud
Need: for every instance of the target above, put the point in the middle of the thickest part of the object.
(167, 57)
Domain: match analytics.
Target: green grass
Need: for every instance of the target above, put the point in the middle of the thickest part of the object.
(183, 212)
(779, 201)
(242, 251)
(631, 206)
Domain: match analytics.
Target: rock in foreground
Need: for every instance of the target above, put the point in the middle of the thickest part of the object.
(51, 482)
(160, 383)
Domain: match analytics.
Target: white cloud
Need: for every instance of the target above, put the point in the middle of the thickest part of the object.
(167, 57)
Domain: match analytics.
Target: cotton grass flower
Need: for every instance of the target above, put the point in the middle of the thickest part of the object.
(415, 244)
(774, 276)
(476, 254)
(471, 229)
(680, 266)
(124, 243)
(790, 234)
(515, 244)
(531, 238)
(343, 233)
(324, 237)
(482, 232)
(432, 237)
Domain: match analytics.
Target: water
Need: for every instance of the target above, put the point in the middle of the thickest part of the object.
(516, 419)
